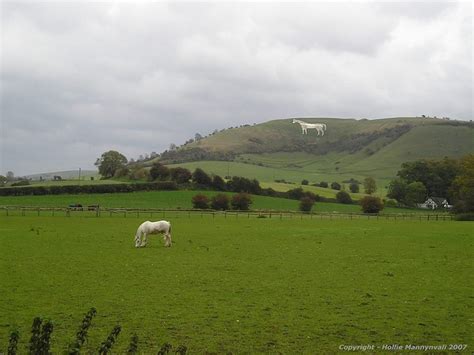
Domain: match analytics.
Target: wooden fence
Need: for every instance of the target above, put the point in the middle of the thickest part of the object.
(155, 213)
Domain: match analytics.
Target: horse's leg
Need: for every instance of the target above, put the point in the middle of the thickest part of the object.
(167, 240)
(143, 244)
(137, 240)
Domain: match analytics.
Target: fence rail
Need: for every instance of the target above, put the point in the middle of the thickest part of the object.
(188, 213)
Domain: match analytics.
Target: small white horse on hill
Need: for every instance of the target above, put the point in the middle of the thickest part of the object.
(319, 127)
(148, 227)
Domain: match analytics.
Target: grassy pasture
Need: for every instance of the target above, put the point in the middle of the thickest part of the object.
(245, 286)
(175, 199)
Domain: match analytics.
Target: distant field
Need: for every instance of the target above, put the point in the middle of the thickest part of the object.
(176, 199)
(239, 286)
(268, 175)
(321, 191)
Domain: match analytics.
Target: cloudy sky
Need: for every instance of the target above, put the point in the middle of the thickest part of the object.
(78, 79)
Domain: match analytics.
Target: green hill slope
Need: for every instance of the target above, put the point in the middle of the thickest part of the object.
(350, 148)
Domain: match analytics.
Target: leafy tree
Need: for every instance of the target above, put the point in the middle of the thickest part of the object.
(462, 190)
(3, 180)
(436, 175)
(242, 184)
(335, 186)
(323, 184)
(241, 201)
(201, 178)
(220, 202)
(304, 182)
(110, 162)
(218, 183)
(369, 185)
(159, 172)
(306, 204)
(197, 137)
(10, 176)
(343, 197)
(200, 201)
(296, 193)
(354, 187)
(397, 189)
(415, 193)
(371, 204)
(180, 175)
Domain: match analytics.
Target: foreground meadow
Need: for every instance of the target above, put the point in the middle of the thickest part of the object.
(239, 285)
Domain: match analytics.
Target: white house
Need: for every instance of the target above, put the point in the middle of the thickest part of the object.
(435, 202)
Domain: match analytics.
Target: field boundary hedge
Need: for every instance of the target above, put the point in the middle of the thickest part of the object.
(89, 189)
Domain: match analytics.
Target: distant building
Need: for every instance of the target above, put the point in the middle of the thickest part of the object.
(435, 203)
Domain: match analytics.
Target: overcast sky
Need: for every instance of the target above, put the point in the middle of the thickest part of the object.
(78, 79)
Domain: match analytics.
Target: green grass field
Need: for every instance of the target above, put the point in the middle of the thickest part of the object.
(176, 199)
(241, 286)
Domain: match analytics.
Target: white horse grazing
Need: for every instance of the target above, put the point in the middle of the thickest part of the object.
(148, 227)
(319, 127)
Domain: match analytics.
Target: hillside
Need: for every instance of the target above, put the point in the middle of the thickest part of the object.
(350, 148)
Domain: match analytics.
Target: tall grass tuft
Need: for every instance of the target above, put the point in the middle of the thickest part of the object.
(81, 335)
(13, 343)
(109, 342)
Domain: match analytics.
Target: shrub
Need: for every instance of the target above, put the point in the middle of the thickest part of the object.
(323, 184)
(304, 182)
(159, 172)
(464, 217)
(200, 201)
(180, 175)
(201, 178)
(296, 194)
(218, 183)
(354, 187)
(306, 204)
(343, 197)
(242, 184)
(241, 201)
(140, 174)
(371, 204)
(21, 183)
(220, 202)
(335, 186)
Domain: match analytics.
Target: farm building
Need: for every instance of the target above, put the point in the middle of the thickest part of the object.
(435, 202)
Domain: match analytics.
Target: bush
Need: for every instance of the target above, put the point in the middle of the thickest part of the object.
(371, 204)
(464, 217)
(140, 174)
(343, 197)
(296, 194)
(241, 201)
(201, 178)
(306, 204)
(220, 202)
(21, 183)
(180, 175)
(323, 184)
(159, 172)
(200, 201)
(335, 186)
(304, 182)
(354, 187)
(218, 183)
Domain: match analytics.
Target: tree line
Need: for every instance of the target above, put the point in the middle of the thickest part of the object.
(447, 178)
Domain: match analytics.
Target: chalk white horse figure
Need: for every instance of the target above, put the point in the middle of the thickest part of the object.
(148, 227)
(319, 127)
